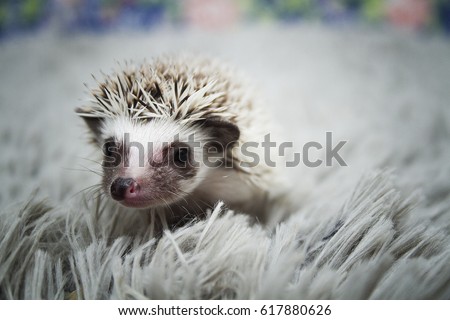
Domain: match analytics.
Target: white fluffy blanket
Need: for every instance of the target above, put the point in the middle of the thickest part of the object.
(377, 229)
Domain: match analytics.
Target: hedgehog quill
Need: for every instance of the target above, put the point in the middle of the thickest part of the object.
(170, 133)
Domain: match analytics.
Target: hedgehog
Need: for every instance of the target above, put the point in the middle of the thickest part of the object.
(171, 134)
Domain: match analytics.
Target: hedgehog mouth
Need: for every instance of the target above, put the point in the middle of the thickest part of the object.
(134, 193)
(142, 202)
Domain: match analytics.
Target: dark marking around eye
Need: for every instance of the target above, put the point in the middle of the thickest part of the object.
(111, 153)
(181, 155)
(181, 159)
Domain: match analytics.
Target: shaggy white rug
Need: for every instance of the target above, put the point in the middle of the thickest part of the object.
(376, 229)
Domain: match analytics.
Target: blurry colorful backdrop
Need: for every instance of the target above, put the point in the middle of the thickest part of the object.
(18, 16)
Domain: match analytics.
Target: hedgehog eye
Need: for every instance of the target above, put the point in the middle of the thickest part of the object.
(111, 153)
(180, 154)
(108, 147)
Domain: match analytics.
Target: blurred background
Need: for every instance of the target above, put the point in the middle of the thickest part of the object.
(374, 72)
(19, 16)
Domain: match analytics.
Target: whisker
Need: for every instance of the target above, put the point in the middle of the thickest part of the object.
(96, 188)
(84, 169)
(99, 162)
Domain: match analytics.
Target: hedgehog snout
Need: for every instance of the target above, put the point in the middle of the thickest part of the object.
(124, 188)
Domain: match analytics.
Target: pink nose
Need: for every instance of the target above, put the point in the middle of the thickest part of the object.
(124, 188)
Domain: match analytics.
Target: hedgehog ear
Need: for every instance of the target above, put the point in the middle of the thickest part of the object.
(223, 132)
(94, 123)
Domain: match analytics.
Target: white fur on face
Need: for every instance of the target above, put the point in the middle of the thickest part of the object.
(146, 143)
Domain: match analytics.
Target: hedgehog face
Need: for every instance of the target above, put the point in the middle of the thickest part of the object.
(157, 123)
(150, 164)
(154, 163)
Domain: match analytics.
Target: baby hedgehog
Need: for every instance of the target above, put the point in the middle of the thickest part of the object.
(172, 134)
